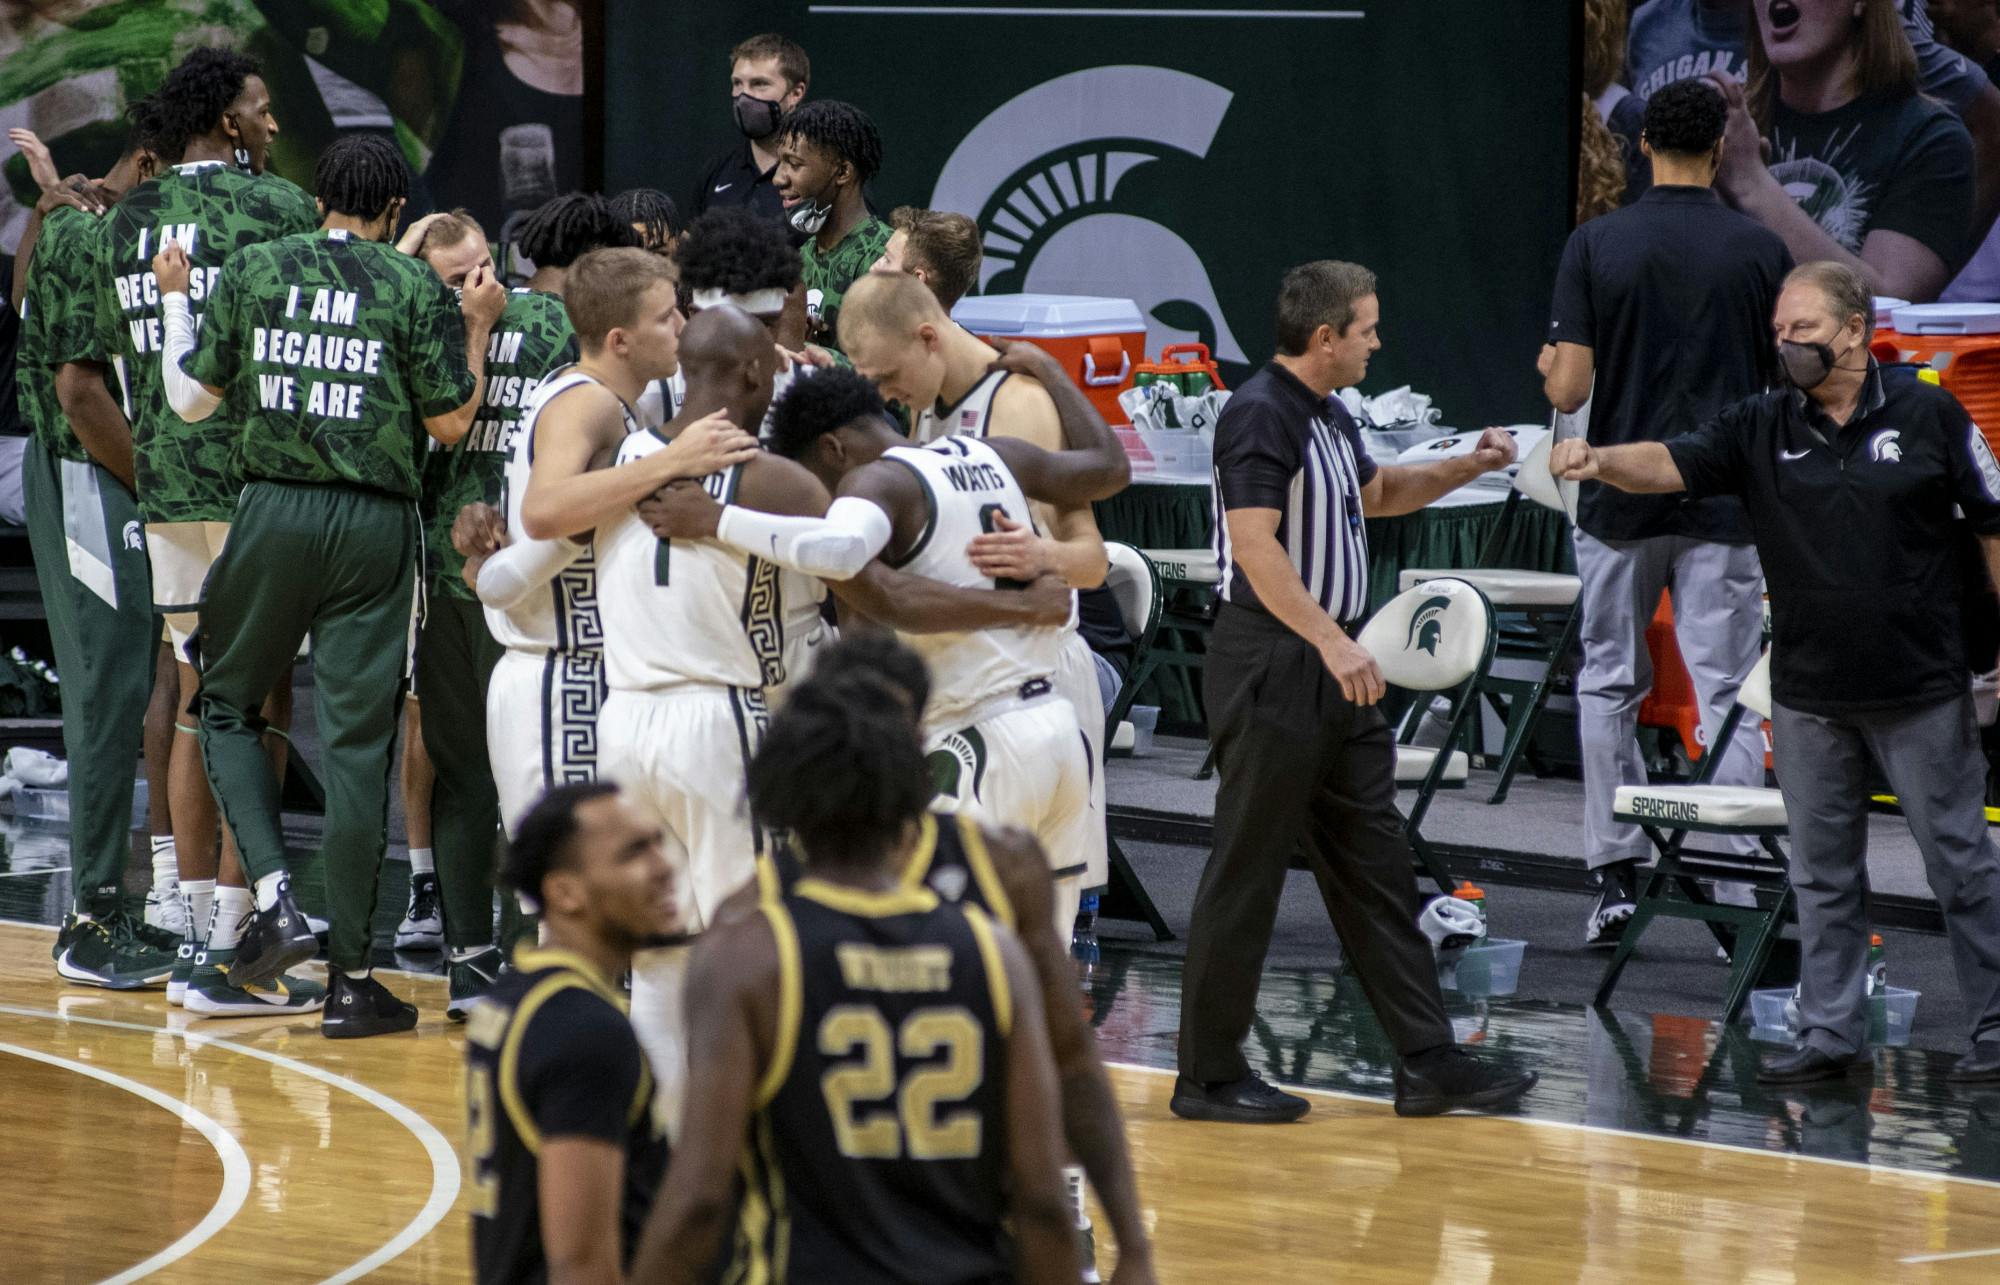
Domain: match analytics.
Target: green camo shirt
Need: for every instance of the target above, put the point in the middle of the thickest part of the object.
(58, 323)
(213, 211)
(829, 273)
(532, 338)
(330, 352)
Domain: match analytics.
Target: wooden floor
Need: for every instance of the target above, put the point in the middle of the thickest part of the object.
(134, 1141)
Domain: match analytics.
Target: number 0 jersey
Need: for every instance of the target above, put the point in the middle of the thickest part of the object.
(965, 484)
(878, 1151)
(550, 1053)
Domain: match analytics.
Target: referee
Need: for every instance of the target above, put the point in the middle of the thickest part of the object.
(1851, 476)
(1306, 759)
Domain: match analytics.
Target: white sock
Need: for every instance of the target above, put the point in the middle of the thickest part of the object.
(421, 861)
(269, 888)
(232, 909)
(199, 895)
(357, 974)
(166, 862)
(459, 954)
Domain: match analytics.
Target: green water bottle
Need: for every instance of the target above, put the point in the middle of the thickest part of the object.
(1878, 966)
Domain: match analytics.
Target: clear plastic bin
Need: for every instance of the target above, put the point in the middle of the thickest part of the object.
(51, 803)
(1144, 719)
(1891, 1015)
(1489, 967)
(1182, 454)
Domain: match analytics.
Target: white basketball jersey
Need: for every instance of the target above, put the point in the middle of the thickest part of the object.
(561, 615)
(971, 415)
(681, 611)
(967, 482)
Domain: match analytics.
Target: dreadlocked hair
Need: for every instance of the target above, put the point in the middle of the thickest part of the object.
(841, 768)
(194, 95)
(652, 209)
(360, 174)
(734, 250)
(841, 129)
(145, 129)
(567, 227)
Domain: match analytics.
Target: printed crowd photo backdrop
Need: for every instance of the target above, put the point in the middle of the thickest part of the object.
(485, 97)
(1184, 156)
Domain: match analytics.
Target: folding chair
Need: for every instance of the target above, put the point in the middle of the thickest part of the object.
(1135, 583)
(1436, 636)
(1537, 611)
(1189, 581)
(1669, 813)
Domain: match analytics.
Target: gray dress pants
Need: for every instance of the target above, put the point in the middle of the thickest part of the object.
(1719, 626)
(1932, 758)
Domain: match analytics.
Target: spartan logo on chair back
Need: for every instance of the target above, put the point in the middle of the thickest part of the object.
(1427, 625)
(1431, 637)
(1046, 204)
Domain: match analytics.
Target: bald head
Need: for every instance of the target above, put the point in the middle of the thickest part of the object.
(888, 303)
(729, 361)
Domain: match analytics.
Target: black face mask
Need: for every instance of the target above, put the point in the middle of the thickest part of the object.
(1807, 366)
(756, 117)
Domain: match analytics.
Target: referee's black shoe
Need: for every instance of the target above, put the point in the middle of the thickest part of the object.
(273, 940)
(1246, 1101)
(357, 1007)
(1451, 1079)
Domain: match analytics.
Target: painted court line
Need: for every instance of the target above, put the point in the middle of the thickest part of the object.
(235, 1165)
(23, 874)
(1947, 1258)
(444, 1160)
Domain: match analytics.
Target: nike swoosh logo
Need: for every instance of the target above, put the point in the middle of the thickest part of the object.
(724, 187)
(1794, 455)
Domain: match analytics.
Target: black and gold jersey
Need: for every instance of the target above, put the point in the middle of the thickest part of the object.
(950, 858)
(550, 1053)
(878, 1149)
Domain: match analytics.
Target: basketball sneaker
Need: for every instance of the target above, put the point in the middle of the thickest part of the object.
(471, 978)
(423, 923)
(99, 953)
(1618, 888)
(357, 1007)
(211, 992)
(177, 981)
(274, 940)
(166, 910)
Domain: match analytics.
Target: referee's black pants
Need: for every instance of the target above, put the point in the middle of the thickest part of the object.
(1303, 770)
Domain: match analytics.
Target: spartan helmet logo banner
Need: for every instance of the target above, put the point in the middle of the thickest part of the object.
(1041, 174)
(1427, 624)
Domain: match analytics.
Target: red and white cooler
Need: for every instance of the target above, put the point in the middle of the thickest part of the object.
(1098, 340)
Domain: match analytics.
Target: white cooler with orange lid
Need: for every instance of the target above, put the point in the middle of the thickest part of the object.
(1098, 340)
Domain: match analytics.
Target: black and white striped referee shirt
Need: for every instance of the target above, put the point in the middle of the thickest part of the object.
(1279, 446)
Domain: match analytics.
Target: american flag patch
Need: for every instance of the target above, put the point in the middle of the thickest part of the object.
(968, 419)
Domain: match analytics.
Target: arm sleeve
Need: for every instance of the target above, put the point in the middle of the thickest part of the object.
(1929, 197)
(580, 1068)
(836, 547)
(1971, 468)
(440, 381)
(1256, 456)
(1711, 459)
(508, 576)
(190, 400)
(218, 351)
(1572, 320)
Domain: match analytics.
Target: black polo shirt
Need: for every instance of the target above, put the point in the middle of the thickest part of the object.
(1673, 296)
(1854, 524)
(734, 179)
(1280, 446)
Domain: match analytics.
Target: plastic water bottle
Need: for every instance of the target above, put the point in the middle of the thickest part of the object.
(1083, 939)
(1878, 966)
(1474, 897)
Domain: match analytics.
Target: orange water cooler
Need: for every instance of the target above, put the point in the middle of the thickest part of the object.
(1961, 342)
(1100, 341)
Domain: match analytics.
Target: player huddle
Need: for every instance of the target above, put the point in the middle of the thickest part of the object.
(553, 505)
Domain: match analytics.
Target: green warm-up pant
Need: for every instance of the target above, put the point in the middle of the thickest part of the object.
(339, 564)
(90, 560)
(455, 659)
